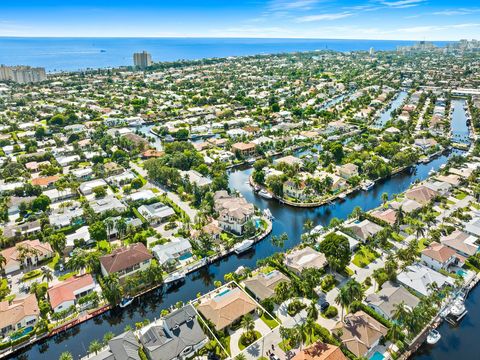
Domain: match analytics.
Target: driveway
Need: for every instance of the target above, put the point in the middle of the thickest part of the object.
(260, 326)
(290, 321)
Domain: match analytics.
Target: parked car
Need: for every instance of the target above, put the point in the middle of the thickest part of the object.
(324, 306)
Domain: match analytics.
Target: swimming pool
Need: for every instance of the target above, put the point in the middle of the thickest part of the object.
(24, 332)
(377, 356)
(461, 272)
(223, 292)
(258, 223)
(185, 256)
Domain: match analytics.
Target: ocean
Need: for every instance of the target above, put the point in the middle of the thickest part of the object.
(72, 54)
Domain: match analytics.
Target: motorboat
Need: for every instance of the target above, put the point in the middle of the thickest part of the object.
(432, 171)
(433, 337)
(268, 214)
(265, 194)
(125, 302)
(367, 185)
(251, 160)
(342, 196)
(174, 277)
(317, 230)
(243, 246)
(458, 308)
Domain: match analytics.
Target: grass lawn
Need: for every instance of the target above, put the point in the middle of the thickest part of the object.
(31, 275)
(397, 237)
(461, 195)
(267, 319)
(226, 343)
(54, 262)
(67, 275)
(364, 256)
(422, 244)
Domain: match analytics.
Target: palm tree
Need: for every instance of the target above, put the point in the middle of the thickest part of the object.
(308, 225)
(343, 299)
(112, 289)
(356, 212)
(399, 217)
(248, 324)
(394, 333)
(401, 313)
(65, 356)
(312, 311)
(241, 356)
(355, 290)
(95, 346)
(109, 224)
(384, 198)
(47, 275)
(3, 262)
(121, 226)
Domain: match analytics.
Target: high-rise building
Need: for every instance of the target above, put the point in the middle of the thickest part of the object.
(22, 74)
(372, 51)
(142, 60)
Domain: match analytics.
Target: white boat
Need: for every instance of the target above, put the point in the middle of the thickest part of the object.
(367, 185)
(265, 194)
(251, 160)
(443, 166)
(268, 214)
(458, 308)
(177, 276)
(243, 246)
(125, 302)
(342, 196)
(432, 171)
(317, 230)
(433, 337)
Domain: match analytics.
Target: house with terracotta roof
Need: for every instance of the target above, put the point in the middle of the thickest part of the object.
(320, 351)
(34, 251)
(244, 149)
(226, 306)
(359, 333)
(66, 293)
(45, 181)
(19, 313)
(421, 194)
(126, 261)
(438, 256)
(387, 215)
(462, 242)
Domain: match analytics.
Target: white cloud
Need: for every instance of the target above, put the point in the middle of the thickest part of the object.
(320, 17)
(402, 3)
(453, 12)
(285, 5)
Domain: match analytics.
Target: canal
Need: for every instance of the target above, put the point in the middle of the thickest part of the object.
(287, 219)
(460, 129)
(394, 105)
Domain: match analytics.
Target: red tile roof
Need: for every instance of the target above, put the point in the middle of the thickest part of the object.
(64, 291)
(125, 257)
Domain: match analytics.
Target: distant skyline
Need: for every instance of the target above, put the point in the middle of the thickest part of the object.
(323, 19)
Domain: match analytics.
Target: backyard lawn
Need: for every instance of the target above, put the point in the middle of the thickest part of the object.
(364, 256)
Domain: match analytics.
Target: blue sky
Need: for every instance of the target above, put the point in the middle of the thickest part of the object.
(353, 19)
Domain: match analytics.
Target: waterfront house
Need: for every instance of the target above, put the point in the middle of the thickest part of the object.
(126, 261)
(26, 253)
(385, 301)
(462, 242)
(425, 144)
(320, 351)
(66, 293)
(226, 306)
(387, 215)
(233, 212)
(295, 190)
(441, 187)
(305, 258)
(419, 278)
(438, 256)
(243, 149)
(168, 254)
(122, 347)
(19, 313)
(421, 194)
(262, 285)
(364, 229)
(347, 171)
(196, 178)
(177, 335)
(156, 213)
(359, 333)
(289, 160)
(407, 205)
